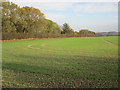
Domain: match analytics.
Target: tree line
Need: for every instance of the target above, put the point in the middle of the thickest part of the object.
(28, 22)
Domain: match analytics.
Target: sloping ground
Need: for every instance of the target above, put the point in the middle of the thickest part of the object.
(65, 62)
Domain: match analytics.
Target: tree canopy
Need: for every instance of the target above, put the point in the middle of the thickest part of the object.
(29, 22)
(25, 19)
(66, 29)
(85, 32)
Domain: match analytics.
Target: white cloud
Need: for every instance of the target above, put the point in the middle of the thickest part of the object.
(79, 15)
(65, 0)
(54, 16)
(106, 7)
(90, 7)
(55, 6)
(46, 5)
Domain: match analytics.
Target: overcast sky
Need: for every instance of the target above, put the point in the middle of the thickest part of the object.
(95, 16)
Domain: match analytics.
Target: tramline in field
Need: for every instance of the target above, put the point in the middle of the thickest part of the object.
(63, 62)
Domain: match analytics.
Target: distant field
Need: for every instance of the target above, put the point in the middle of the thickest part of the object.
(61, 62)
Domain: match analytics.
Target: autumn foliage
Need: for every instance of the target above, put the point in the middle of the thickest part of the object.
(28, 22)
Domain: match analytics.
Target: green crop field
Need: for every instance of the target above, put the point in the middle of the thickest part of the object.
(61, 62)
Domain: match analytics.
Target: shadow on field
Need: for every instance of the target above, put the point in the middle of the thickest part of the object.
(72, 71)
(52, 77)
(79, 66)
